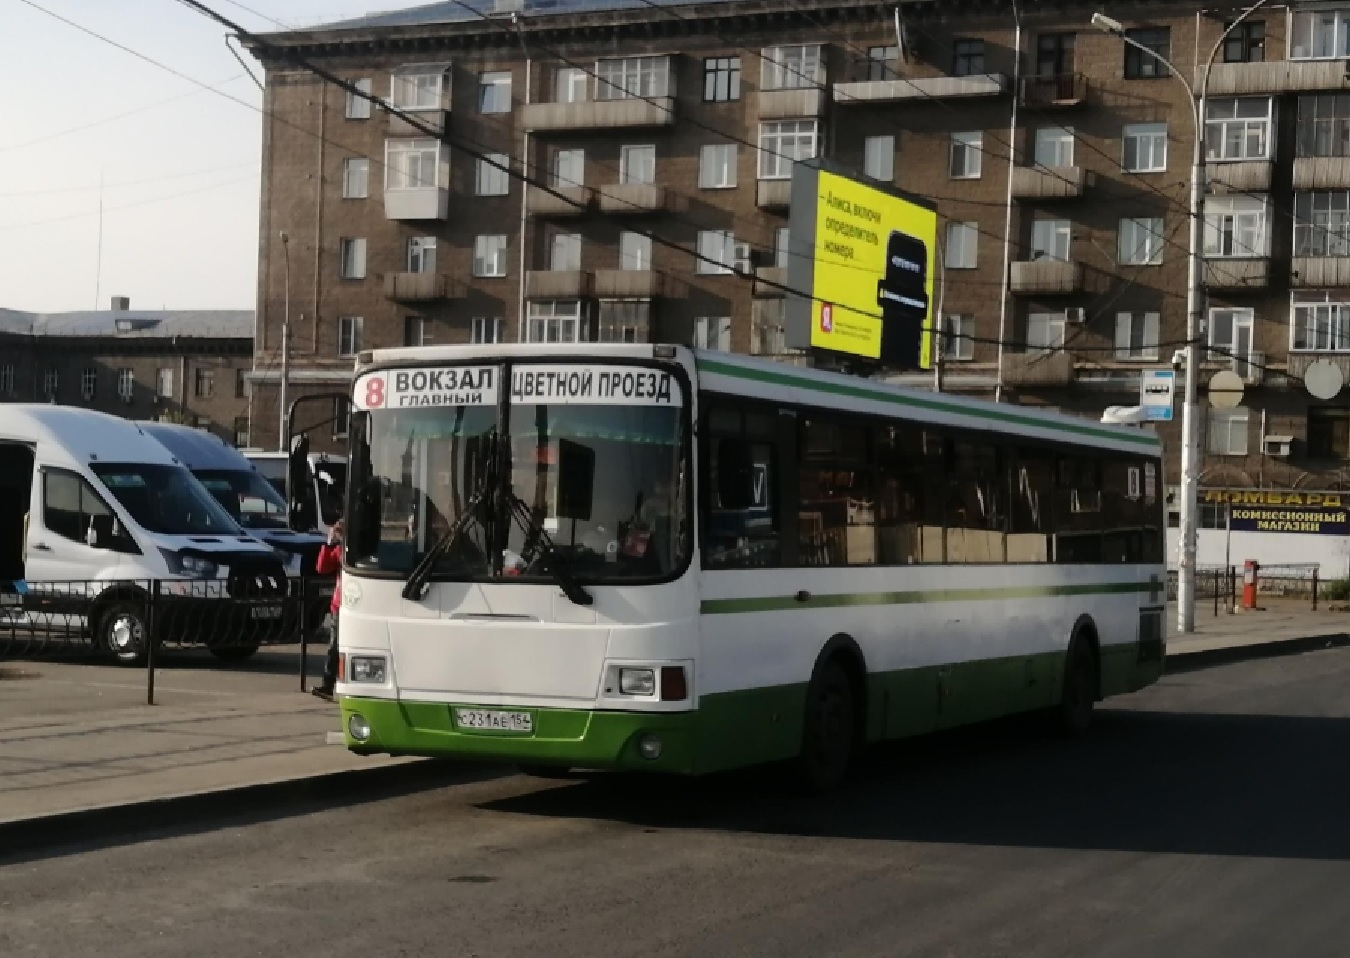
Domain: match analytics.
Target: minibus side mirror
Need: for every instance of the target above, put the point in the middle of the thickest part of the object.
(99, 535)
(735, 474)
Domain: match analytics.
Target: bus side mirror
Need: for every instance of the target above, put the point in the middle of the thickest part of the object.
(735, 475)
(303, 513)
(576, 480)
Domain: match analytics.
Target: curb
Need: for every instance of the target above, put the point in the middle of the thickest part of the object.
(1227, 655)
(105, 825)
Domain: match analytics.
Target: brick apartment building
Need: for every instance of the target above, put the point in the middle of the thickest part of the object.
(184, 365)
(683, 120)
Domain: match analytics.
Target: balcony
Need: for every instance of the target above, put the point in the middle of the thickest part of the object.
(1237, 274)
(629, 284)
(1038, 368)
(418, 203)
(1300, 361)
(785, 104)
(435, 120)
(1320, 271)
(1054, 92)
(417, 287)
(773, 194)
(569, 201)
(626, 113)
(769, 282)
(557, 284)
(1322, 173)
(1242, 177)
(1277, 76)
(1048, 183)
(632, 198)
(921, 88)
(1046, 276)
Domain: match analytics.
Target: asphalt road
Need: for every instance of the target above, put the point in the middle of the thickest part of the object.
(1206, 816)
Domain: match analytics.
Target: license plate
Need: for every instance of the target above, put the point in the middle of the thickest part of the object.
(266, 612)
(494, 721)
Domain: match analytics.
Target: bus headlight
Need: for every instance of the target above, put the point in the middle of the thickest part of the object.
(368, 668)
(637, 681)
(359, 728)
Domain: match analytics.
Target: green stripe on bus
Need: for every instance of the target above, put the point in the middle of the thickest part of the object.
(778, 603)
(777, 378)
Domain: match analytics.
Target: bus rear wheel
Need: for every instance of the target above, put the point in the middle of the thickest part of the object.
(1079, 696)
(829, 730)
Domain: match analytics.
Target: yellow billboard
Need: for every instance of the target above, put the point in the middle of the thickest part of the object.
(868, 259)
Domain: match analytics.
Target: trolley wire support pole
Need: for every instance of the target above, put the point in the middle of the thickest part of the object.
(150, 642)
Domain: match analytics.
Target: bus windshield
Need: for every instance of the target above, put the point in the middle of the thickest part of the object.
(600, 487)
(165, 499)
(250, 499)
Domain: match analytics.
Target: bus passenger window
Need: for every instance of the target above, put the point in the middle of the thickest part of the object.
(836, 522)
(1033, 487)
(743, 533)
(909, 495)
(976, 494)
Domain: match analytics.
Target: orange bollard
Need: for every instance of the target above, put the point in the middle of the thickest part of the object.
(1249, 574)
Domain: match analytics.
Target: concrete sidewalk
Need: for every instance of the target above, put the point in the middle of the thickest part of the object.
(1281, 622)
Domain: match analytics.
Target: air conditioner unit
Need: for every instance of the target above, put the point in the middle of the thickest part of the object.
(1075, 314)
(1277, 446)
(742, 259)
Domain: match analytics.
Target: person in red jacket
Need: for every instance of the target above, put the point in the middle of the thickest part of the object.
(330, 561)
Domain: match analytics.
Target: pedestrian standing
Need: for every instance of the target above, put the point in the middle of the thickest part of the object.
(330, 560)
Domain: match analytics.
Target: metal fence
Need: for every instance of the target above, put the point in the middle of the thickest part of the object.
(1222, 587)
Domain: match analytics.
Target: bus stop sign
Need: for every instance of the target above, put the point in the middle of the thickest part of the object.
(1156, 389)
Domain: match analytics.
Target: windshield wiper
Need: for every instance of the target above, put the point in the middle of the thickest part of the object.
(554, 563)
(419, 578)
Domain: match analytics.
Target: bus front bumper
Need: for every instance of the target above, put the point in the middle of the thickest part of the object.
(574, 738)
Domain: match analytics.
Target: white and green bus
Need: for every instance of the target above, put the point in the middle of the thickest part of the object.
(646, 557)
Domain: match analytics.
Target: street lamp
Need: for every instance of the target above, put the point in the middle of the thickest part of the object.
(285, 346)
(1190, 419)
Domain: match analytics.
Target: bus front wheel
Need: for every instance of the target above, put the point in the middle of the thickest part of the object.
(829, 729)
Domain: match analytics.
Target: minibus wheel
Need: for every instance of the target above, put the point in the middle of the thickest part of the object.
(122, 631)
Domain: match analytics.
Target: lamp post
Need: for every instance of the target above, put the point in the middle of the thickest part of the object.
(1190, 413)
(285, 346)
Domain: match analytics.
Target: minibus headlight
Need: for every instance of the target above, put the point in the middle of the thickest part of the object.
(368, 668)
(637, 681)
(181, 564)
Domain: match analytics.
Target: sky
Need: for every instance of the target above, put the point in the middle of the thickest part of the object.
(179, 164)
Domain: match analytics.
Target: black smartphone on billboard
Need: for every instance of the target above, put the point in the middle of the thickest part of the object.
(903, 298)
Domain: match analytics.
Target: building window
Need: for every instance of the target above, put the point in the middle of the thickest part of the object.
(967, 154)
(968, 58)
(494, 92)
(349, 335)
(962, 245)
(355, 178)
(1245, 43)
(717, 166)
(1230, 336)
(1324, 125)
(1235, 226)
(637, 164)
(1319, 35)
(126, 384)
(1054, 147)
(1328, 433)
(203, 383)
(635, 251)
(358, 107)
(556, 321)
(883, 63)
(241, 432)
(7, 379)
(1137, 335)
(342, 418)
(240, 383)
(164, 382)
(795, 67)
(422, 254)
(1045, 333)
(493, 178)
(642, 77)
(783, 142)
(1238, 128)
(1141, 65)
(418, 87)
(352, 257)
(569, 168)
(717, 251)
(879, 158)
(489, 255)
(486, 329)
(412, 164)
(1321, 327)
(565, 253)
(89, 383)
(721, 79)
(959, 336)
(1228, 430)
(1322, 223)
(1145, 148)
(569, 85)
(1050, 239)
(1140, 241)
(51, 383)
(414, 331)
(624, 321)
(713, 332)
(782, 246)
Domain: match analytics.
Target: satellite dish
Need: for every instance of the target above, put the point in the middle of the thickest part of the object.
(1324, 379)
(1225, 389)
